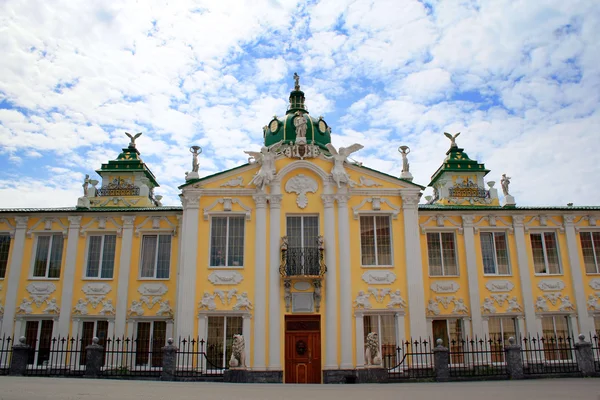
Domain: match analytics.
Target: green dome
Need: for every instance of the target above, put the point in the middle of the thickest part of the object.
(282, 128)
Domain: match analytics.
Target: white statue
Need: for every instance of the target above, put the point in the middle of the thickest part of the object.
(338, 172)
(86, 183)
(238, 353)
(488, 306)
(132, 138)
(296, 82)
(300, 124)
(195, 150)
(505, 181)
(404, 150)
(513, 305)
(25, 307)
(372, 356)
(396, 300)
(136, 308)
(593, 303)
(242, 301)
(81, 307)
(266, 159)
(107, 308)
(460, 307)
(452, 138)
(541, 304)
(433, 307)
(208, 302)
(566, 304)
(52, 307)
(362, 300)
(164, 308)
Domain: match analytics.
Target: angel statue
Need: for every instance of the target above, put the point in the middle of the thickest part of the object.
(132, 138)
(452, 138)
(266, 159)
(338, 172)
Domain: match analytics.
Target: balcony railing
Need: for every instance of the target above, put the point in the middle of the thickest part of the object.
(302, 261)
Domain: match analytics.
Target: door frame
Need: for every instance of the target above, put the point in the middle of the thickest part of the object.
(311, 318)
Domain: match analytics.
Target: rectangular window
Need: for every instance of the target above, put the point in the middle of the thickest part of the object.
(101, 256)
(48, 256)
(156, 256)
(227, 242)
(151, 337)
(220, 339)
(441, 249)
(556, 331)
(501, 329)
(4, 249)
(545, 253)
(494, 251)
(385, 327)
(375, 240)
(590, 245)
(38, 335)
(303, 247)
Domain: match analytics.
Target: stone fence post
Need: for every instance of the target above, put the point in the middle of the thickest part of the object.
(441, 359)
(585, 357)
(20, 355)
(169, 361)
(94, 359)
(514, 361)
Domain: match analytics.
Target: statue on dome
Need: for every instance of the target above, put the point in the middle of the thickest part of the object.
(300, 124)
(452, 138)
(296, 81)
(266, 159)
(338, 172)
(132, 138)
(505, 181)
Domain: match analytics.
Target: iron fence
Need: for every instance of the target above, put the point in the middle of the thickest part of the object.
(302, 261)
(5, 354)
(196, 360)
(56, 356)
(596, 351)
(548, 355)
(411, 360)
(126, 357)
(477, 357)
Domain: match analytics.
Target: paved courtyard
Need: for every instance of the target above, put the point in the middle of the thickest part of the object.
(17, 388)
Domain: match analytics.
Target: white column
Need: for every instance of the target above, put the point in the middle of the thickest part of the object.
(360, 343)
(400, 328)
(331, 284)
(186, 284)
(485, 324)
(472, 275)
(246, 329)
(202, 325)
(274, 279)
(531, 321)
(68, 275)
(260, 277)
(123, 282)
(586, 323)
(345, 280)
(414, 266)
(14, 273)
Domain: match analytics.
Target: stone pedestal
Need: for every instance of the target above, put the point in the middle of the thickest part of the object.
(83, 202)
(441, 359)
(169, 361)
(514, 362)
(372, 375)
(93, 359)
(264, 376)
(20, 355)
(508, 201)
(406, 176)
(235, 375)
(192, 175)
(585, 357)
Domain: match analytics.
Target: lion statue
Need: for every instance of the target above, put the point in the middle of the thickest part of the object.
(238, 354)
(372, 356)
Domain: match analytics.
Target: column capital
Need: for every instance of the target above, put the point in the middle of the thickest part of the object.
(342, 199)
(128, 221)
(328, 200)
(410, 201)
(569, 220)
(21, 222)
(468, 221)
(518, 221)
(190, 199)
(260, 200)
(74, 221)
(275, 200)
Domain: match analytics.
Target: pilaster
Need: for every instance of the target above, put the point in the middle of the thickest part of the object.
(123, 282)
(345, 279)
(260, 277)
(359, 325)
(414, 265)
(531, 322)
(331, 283)
(14, 273)
(274, 279)
(472, 276)
(68, 276)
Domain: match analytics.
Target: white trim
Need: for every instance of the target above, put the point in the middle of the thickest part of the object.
(331, 281)
(525, 279)
(227, 202)
(274, 317)
(155, 225)
(48, 221)
(123, 277)
(260, 276)
(345, 267)
(376, 207)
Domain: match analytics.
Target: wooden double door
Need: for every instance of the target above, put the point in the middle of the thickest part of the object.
(303, 349)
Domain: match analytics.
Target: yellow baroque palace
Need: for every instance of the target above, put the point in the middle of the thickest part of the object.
(303, 252)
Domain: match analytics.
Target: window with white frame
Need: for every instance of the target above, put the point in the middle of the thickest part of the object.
(220, 338)
(38, 335)
(441, 249)
(48, 256)
(151, 337)
(385, 327)
(227, 241)
(375, 240)
(557, 337)
(494, 251)
(101, 256)
(545, 253)
(156, 256)
(590, 245)
(4, 250)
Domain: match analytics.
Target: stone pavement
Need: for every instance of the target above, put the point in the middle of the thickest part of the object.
(31, 388)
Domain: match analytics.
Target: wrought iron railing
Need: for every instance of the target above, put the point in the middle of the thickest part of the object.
(196, 360)
(469, 191)
(477, 357)
(119, 191)
(133, 357)
(548, 355)
(63, 356)
(302, 261)
(5, 354)
(596, 351)
(412, 359)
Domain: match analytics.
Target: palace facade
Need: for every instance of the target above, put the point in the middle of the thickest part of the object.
(301, 251)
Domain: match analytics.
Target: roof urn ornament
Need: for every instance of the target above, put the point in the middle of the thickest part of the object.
(132, 138)
(405, 174)
(452, 138)
(195, 150)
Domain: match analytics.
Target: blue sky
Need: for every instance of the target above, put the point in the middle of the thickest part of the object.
(519, 79)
